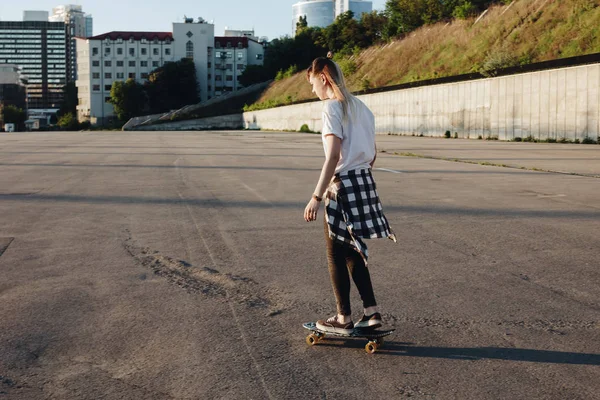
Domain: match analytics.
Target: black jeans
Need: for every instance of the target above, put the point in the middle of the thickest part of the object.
(344, 261)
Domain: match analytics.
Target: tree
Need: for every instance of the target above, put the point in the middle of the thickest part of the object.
(14, 115)
(301, 24)
(172, 86)
(68, 122)
(254, 74)
(128, 98)
(69, 104)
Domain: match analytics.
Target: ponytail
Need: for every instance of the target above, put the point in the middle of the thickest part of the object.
(335, 78)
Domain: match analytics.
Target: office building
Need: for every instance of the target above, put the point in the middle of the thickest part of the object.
(78, 24)
(318, 13)
(39, 48)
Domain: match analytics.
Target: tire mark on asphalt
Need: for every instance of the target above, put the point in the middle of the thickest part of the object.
(227, 294)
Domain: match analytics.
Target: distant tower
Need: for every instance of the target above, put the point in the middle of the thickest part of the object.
(78, 24)
(318, 13)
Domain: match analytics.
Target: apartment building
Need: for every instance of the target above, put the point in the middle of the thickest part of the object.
(122, 55)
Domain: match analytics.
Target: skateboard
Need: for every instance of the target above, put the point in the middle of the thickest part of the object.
(374, 336)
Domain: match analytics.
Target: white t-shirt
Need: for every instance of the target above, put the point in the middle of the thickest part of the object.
(357, 134)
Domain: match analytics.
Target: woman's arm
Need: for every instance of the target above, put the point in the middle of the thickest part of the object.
(333, 145)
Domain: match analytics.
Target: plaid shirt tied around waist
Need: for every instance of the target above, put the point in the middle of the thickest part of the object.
(354, 212)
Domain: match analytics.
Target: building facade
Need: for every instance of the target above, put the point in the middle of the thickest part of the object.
(231, 57)
(78, 24)
(39, 48)
(115, 56)
(118, 56)
(322, 13)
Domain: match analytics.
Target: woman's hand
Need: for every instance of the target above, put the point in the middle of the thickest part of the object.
(310, 212)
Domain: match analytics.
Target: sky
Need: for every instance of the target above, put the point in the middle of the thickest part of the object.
(271, 18)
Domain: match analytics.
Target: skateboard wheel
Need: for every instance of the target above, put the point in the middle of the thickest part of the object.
(371, 347)
(312, 339)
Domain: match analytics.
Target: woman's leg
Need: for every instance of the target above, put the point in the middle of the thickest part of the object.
(361, 277)
(338, 272)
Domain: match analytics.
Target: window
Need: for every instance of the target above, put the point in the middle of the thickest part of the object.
(154, 64)
(168, 52)
(144, 52)
(119, 50)
(132, 51)
(240, 66)
(240, 45)
(95, 75)
(94, 51)
(189, 49)
(209, 76)
(218, 78)
(209, 64)
(96, 88)
(229, 66)
(120, 63)
(144, 75)
(108, 63)
(95, 63)
(107, 87)
(120, 75)
(143, 63)
(228, 45)
(107, 50)
(229, 78)
(107, 75)
(132, 63)
(131, 75)
(240, 55)
(155, 51)
(259, 56)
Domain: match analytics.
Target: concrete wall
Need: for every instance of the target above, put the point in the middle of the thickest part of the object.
(547, 104)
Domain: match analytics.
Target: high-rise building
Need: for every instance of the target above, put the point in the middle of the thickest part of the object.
(318, 13)
(322, 13)
(358, 7)
(78, 25)
(40, 49)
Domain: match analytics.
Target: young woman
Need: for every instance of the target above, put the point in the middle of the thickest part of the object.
(352, 208)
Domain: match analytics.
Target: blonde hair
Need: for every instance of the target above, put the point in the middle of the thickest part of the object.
(335, 79)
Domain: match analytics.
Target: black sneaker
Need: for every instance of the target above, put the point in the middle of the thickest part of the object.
(370, 322)
(332, 325)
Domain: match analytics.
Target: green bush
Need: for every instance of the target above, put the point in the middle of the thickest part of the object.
(517, 139)
(447, 134)
(304, 128)
(464, 11)
(588, 140)
(455, 135)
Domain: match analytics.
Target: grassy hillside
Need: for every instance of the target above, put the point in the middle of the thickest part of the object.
(524, 32)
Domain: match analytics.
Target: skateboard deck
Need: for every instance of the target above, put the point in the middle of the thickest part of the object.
(374, 336)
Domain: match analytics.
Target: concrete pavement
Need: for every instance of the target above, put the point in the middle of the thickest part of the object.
(177, 265)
